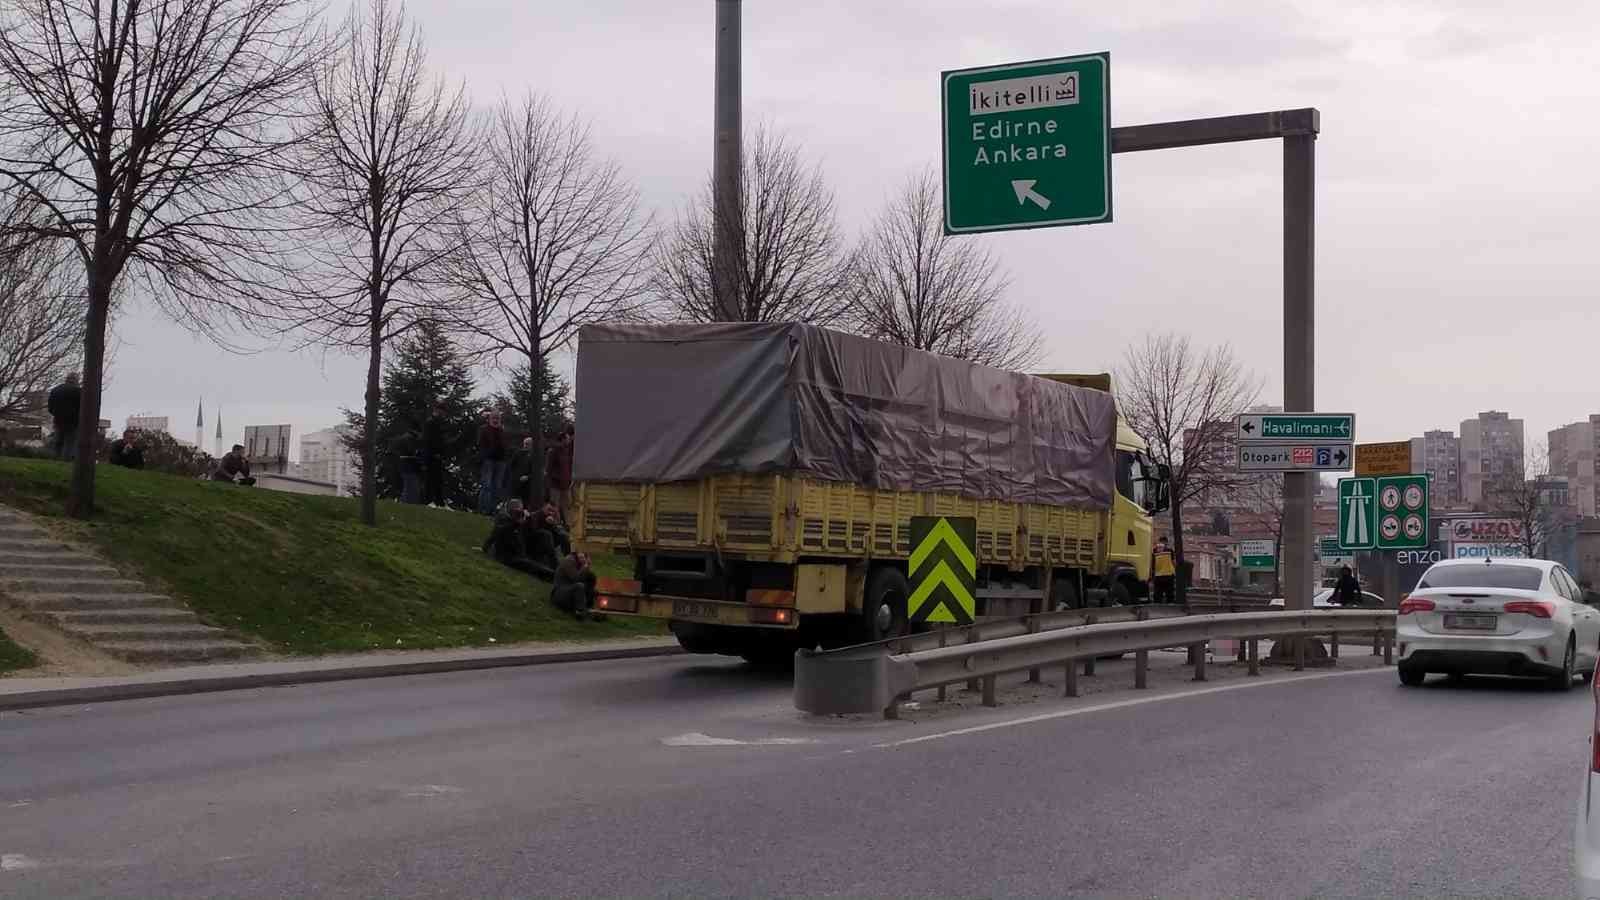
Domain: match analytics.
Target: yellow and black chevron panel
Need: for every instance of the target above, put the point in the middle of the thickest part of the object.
(944, 569)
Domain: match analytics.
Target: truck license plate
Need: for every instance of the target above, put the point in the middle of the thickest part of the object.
(689, 609)
(1469, 621)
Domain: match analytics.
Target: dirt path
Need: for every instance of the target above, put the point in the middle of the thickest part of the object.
(58, 653)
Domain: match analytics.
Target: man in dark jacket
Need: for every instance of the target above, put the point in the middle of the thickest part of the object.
(234, 466)
(1348, 591)
(433, 457)
(64, 404)
(507, 543)
(546, 540)
(491, 463)
(522, 473)
(125, 451)
(558, 472)
(573, 590)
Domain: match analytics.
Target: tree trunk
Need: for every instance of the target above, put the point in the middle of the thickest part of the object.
(80, 502)
(369, 443)
(1277, 565)
(536, 490)
(1181, 589)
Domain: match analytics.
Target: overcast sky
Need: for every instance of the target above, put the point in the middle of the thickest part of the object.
(1456, 224)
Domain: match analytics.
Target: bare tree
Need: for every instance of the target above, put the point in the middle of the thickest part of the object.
(152, 136)
(1261, 510)
(790, 264)
(556, 240)
(41, 308)
(389, 165)
(914, 285)
(1523, 495)
(1183, 401)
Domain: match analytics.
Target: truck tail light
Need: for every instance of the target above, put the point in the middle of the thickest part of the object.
(616, 603)
(1594, 739)
(616, 595)
(1539, 609)
(1415, 605)
(767, 597)
(765, 616)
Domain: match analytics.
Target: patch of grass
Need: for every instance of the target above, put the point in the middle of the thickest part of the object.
(14, 656)
(302, 572)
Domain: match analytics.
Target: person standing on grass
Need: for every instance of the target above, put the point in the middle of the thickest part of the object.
(64, 404)
(558, 472)
(433, 458)
(491, 464)
(522, 473)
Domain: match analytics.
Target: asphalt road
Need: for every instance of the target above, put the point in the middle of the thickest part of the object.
(694, 778)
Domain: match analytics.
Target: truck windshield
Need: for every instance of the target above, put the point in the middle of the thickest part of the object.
(1128, 472)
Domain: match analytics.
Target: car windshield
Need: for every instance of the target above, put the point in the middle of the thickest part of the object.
(1520, 578)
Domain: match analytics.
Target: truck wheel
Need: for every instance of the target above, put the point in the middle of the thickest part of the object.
(1064, 594)
(1120, 593)
(883, 614)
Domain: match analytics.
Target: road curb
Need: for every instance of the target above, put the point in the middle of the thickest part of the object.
(205, 684)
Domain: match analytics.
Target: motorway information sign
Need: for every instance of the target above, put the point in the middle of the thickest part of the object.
(1297, 428)
(1027, 145)
(1358, 514)
(1390, 458)
(1402, 512)
(1257, 556)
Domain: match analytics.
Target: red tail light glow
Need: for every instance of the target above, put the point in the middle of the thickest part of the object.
(764, 616)
(1539, 609)
(1415, 605)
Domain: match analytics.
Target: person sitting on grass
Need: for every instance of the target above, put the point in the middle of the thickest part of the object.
(573, 591)
(125, 451)
(507, 544)
(546, 540)
(234, 466)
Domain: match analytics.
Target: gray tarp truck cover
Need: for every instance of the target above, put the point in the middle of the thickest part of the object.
(661, 403)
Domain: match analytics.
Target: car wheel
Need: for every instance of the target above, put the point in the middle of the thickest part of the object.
(1563, 680)
(1457, 678)
(1411, 676)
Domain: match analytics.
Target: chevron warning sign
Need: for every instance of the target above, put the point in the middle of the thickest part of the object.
(944, 569)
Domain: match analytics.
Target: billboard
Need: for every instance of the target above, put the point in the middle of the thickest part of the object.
(267, 446)
(1485, 550)
(1486, 531)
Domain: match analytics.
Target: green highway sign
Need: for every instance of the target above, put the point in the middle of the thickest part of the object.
(1402, 512)
(1358, 519)
(1296, 427)
(1027, 145)
(1257, 556)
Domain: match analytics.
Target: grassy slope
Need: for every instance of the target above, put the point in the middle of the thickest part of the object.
(301, 571)
(13, 656)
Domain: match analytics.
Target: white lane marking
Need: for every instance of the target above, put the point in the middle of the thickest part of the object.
(432, 790)
(12, 862)
(696, 739)
(19, 804)
(1119, 704)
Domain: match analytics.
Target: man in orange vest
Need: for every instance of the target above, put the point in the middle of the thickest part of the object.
(1163, 571)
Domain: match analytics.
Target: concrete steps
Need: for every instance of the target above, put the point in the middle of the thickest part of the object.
(66, 586)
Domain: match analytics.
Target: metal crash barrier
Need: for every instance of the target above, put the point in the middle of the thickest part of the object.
(871, 678)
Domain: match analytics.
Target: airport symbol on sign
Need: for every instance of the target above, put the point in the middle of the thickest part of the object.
(944, 569)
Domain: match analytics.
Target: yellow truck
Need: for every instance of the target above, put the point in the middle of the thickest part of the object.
(762, 479)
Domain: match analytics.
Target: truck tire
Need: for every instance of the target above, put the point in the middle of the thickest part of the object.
(1064, 594)
(1120, 594)
(883, 609)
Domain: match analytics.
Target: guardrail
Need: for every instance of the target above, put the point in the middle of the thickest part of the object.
(871, 678)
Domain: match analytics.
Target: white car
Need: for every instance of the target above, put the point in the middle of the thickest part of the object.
(1497, 617)
(1586, 845)
(1323, 599)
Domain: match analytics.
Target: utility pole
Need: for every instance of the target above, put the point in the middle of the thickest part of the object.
(727, 208)
(1299, 350)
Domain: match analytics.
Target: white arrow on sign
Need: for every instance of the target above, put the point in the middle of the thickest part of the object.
(1025, 192)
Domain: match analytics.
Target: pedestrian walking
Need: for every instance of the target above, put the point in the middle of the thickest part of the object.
(433, 457)
(491, 464)
(558, 472)
(64, 404)
(1163, 569)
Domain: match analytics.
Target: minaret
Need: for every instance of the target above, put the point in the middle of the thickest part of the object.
(200, 425)
(219, 431)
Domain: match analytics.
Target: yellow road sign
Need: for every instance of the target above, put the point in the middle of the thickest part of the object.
(944, 569)
(1392, 458)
